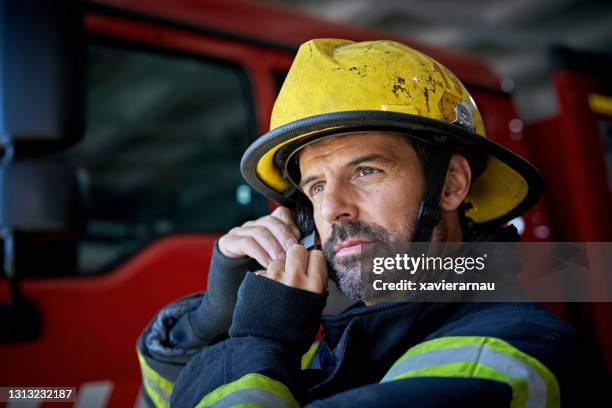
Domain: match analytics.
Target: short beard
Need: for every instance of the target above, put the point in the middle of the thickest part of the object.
(346, 271)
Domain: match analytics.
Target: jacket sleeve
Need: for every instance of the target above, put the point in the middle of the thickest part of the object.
(273, 326)
(182, 329)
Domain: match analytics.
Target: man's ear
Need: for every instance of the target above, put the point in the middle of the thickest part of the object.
(457, 184)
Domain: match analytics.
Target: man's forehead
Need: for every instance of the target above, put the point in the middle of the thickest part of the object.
(356, 143)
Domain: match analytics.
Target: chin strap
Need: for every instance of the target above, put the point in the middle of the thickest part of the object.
(429, 211)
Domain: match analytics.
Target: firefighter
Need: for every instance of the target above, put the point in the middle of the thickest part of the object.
(369, 142)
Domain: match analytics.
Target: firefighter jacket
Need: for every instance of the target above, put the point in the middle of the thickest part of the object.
(391, 354)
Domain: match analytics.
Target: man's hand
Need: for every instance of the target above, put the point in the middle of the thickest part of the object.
(300, 269)
(264, 239)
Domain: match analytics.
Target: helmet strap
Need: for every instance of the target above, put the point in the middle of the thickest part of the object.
(429, 211)
(306, 224)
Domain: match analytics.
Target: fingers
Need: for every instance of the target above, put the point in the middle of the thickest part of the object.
(300, 269)
(246, 245)
(285, 234)
(286, 216)
(296, 263)
(276, 269)
(317, 271)
(264, 239)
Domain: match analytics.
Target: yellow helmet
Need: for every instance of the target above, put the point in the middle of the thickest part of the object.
(338, 86)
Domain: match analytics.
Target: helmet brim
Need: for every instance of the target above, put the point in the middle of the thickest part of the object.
(508, 186)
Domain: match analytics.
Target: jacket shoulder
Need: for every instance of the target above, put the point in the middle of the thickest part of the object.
(519, 321)
(553, 342)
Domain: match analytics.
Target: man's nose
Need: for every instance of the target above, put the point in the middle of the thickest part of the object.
(337, 204)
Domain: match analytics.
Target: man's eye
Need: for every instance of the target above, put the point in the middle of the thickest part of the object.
(366, 171)
(316, 189)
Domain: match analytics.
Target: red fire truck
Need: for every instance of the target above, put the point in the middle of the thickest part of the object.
(123, 124)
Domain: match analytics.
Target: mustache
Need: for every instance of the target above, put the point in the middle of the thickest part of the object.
(346, 229)
(343, 231)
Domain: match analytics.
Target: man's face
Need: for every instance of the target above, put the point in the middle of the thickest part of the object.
(365, 188)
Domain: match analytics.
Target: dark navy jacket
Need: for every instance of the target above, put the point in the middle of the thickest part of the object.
(391, 354)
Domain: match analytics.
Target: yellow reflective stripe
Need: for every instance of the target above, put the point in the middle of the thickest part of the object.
(274, 390)
(155, 396)
(307, 358)
(473, 370)
(439, 357)
(157, 387)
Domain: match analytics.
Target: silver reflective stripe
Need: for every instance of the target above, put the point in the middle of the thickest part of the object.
(252, 396)
(503, 363)
(155, 387)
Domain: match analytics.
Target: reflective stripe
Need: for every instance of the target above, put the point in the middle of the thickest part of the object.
(513, 368)
(309, 356)
(252, 396)
(252, 388)
(533, 385)
(158, 396)
(157, 387)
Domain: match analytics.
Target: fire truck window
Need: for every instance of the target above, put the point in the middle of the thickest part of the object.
(165, 134)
